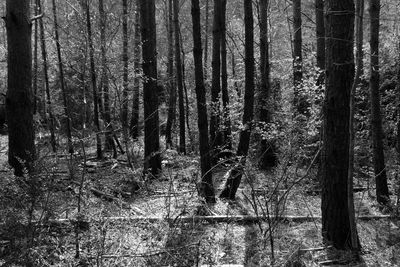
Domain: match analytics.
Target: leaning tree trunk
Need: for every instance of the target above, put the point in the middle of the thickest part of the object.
(50, 119)
(62, 80)
(268, 156)
(299, 101)
(93, 77)
(134, 124)
(179, 81)
(171, 79)
(233, 181)
(152, 161)
(206, 185)
(382, 191)
(339, 68)
(21, 135)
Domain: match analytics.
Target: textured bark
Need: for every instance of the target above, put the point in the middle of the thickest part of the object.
(382, 191)
(134, 124)
(171, 83)
(268, 156)
(206, 185)
(50, 119)
(335, 159)
(93, 78)
(152, 161)
(179, 80)
(62, 80)
(19, 106)
(233, 181)
(299, 101)
(320, 31)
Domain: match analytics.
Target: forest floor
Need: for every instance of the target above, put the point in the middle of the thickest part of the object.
(87, 206)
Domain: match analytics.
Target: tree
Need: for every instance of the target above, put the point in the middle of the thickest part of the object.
(299, 101)
(134, 124)
(62, 80)
(19, 99)
(152, 161)
(206, 186)
(171, 83)
(268, 157)
(235, 176)
(335, 154)
(93, 79)
(382, 191)
(125, 61)
(320, 31)
(179, 80)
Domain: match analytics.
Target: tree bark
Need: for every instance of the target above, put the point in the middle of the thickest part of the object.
(382, 191)
(268, 156)
(299, 101)
(134, 124)
(171, 83)
(206, 185)
(19, 106)
(320, 31)
(50, 119)
(206, 40)
(93, 78)
(335, 159)
(179, 81)
(152, 162)
(233, 181)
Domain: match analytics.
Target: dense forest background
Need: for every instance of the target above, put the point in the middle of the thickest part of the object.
(199, 133)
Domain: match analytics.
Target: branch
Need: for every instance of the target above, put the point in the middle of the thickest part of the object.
(37, 17)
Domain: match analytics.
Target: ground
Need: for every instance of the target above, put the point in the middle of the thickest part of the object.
(87, 207)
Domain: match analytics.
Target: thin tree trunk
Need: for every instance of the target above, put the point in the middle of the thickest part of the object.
(336, 227)
(320, 31)
(171, 83)
(50, 118)
(125, 62)
(206, 39)
(206, 186)
(299, 101)
(21, 135)
(233, 181)
(382, 191)
(35, 62)
(227, 133)
(134, 124)
(152, 160)
(62, 80)
(93, 77)
(179, 81)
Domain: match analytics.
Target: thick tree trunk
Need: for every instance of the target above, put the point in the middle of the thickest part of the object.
(152, 162)
(233, 181)
(62, 80)
(299, 101)
(382, 191)
(335, 159)
(268, 156)
(21, 135)
(179, 81)
(93, 77)
(320, 31)
(206, 185)
(50, 118)
(171, 83)
(134, 124)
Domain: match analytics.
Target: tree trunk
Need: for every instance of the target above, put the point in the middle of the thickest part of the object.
(339, 68)
(93, 77)
(227, 133)
(125, 62)
(179, 81)
(320, 31)
(50, 119)
(21, 135)
(62, 80)
(268, 157)
(382, 191)
(206, 40)
(206, 186)
(233, 181)
(171, 83)
(299, 101)
(152, 160)
(134, 124)
(215, 135)
(35, 62)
